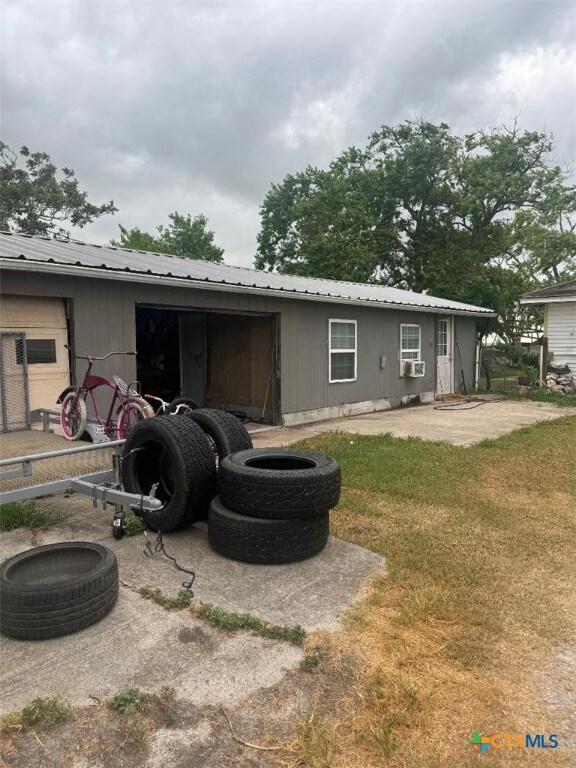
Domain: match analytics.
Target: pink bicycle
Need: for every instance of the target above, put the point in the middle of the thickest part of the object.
(126, 409)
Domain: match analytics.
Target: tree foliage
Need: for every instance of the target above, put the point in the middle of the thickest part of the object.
(480, 218)
(34, 201)
(184, 236)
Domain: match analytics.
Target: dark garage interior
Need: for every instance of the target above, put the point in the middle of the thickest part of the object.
(219, 359)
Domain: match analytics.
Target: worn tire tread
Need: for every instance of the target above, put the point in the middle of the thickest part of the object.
(227, 432)
(191, 450)
(265, 542)
(37, 611)
(277, 494)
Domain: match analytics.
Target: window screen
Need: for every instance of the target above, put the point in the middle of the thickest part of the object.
(38, 351)
(410, 342)
(342, 350)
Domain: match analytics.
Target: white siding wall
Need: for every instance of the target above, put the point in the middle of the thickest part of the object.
(561, 332)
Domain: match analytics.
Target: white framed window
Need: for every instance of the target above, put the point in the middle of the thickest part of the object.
(342, 356)
(442, 338)
(410, 338)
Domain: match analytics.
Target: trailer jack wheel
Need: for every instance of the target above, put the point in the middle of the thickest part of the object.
(118, 525)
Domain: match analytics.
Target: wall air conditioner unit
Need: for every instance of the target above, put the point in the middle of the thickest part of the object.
(414, 368)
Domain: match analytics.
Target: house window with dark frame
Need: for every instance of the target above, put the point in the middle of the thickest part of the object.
(410, 344)
(38, 351)
(342, 351)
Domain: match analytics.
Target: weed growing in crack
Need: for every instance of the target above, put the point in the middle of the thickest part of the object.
(233, 622)
(182, 599)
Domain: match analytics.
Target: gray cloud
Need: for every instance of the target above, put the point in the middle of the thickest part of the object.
(200, 106)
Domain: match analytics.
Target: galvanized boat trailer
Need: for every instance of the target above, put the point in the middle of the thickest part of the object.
(103, 487)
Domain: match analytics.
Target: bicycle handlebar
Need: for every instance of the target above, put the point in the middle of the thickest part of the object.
(155, 397)
(82, 357)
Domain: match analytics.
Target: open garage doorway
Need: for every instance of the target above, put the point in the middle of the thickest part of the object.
(158, 347)
(219, 359)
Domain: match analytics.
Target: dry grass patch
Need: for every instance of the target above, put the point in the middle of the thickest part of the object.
(479, 591)
(49, 732)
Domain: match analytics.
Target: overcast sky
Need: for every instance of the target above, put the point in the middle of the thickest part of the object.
(200, 106)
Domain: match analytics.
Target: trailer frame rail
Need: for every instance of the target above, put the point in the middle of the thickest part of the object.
(103, 487)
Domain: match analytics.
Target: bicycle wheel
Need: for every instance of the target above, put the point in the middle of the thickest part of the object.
(130, 414)
(181, 405)
(73, 416)
(146, 407)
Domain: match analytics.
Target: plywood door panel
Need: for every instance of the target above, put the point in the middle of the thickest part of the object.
(229, 349)
(240, 359)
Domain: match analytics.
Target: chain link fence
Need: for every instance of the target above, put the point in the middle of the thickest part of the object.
(501, 366)
(14, 396)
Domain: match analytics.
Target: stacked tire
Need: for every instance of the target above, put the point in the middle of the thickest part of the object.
(179, 456)
(274, 505)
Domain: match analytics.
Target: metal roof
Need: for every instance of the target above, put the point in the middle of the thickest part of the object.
(43, 254)
(558, 291)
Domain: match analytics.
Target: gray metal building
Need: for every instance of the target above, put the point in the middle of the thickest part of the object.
(283, 349)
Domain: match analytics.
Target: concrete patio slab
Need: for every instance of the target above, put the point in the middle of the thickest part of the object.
(142, 645)
(459, 424)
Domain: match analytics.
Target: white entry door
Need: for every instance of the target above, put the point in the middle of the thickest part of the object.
(444, 367)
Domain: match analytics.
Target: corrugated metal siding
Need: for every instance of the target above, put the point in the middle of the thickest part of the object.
(104, 320)
(561, 332)
(464, 351)
(305, 356)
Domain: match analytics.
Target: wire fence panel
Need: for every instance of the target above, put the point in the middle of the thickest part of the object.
(14, 395)
(502, 365)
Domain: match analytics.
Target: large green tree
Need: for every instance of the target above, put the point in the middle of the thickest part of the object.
(473, 218)
(184, 236)
(35, 201)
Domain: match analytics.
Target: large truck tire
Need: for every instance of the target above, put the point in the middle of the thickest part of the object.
(279, 483)
(226, 432)
(175, 454)
(264, 542)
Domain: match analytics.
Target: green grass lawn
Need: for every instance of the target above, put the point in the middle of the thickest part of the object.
(480, 544)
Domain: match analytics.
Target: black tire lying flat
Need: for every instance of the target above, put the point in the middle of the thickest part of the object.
(176, 454)
(226, 432)
(264, 542)
(56, 589)
(279, 483)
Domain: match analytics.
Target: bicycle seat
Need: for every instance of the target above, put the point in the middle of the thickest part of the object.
(123, 387)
